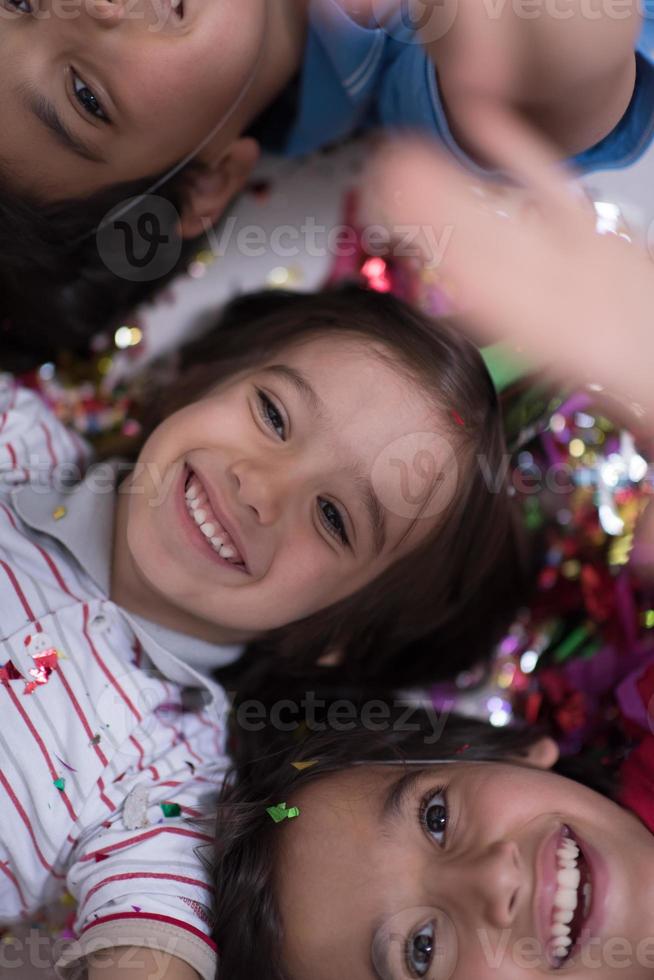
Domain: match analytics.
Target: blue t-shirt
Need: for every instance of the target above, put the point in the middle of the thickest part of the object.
(355, 77)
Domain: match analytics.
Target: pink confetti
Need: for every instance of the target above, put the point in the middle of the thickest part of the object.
(64, 764)
(44, 663)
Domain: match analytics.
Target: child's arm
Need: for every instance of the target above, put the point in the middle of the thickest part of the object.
(137, 963)
(569, 71)
(578, 301)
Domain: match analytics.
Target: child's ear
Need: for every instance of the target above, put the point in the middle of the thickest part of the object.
(213, 184)
(543, 754)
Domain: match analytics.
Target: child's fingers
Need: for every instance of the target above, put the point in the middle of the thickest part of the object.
(568, 296)
(518, 152)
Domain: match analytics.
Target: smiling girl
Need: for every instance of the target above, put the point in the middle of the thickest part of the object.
(478, 857)
(311, 493)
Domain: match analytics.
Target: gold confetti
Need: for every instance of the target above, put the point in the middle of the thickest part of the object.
(59, 512)
(301, 766)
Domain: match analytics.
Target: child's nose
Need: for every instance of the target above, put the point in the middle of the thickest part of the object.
(261, 488)
(107, 12)
(489, 886)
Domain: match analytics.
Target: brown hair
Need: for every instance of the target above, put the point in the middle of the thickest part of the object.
(439, 609)
(247, 925)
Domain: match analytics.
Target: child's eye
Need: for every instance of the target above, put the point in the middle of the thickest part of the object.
(271, 415)
(434, 814)
(420, 950)
(87, 98)
(22, 6)
(332, 520)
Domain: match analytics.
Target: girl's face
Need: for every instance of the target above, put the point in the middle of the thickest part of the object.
(298, 468)
(135, 84)
(451, 872)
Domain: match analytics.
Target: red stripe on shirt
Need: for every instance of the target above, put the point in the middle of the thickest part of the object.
(150, 875)
(156, 918)
(44, 554)
(110, 677)
(103, 796)
(19, 592)
(179, 831)
(139, 749)
(12, 878)
(44, 752)
(82, 717)
(48, 442)
(21, 812)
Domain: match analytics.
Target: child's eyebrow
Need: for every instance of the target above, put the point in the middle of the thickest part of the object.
(303, 387)
(399, 793)
(47, 114)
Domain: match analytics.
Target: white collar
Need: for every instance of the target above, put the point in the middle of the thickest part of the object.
(86, 531)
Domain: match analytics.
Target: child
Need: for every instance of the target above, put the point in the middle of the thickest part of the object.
(312, 490)
(148, 105)
(398, 859)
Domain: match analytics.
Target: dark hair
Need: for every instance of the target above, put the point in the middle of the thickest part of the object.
(247, 926)
(438, 610)
(56, 292)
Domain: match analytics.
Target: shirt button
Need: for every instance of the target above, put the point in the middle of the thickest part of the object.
(100, 623)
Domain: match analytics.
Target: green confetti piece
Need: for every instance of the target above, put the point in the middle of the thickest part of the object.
(171, 809)
(280, 812)
(60, 783)
(571, 644)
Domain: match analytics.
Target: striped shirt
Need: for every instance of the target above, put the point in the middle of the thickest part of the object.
(112, 739)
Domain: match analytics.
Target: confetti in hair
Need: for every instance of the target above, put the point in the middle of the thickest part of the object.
(281, 812)
(301, 766)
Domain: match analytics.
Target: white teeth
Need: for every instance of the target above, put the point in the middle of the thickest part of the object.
(566, 898)
(200, 510)
(569, 878)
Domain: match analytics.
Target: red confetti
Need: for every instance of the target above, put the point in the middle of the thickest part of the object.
(457, 418)
(9, 673)
(45, 663)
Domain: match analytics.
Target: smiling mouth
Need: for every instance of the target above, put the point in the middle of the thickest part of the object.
(200, 511)
(572, 899)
